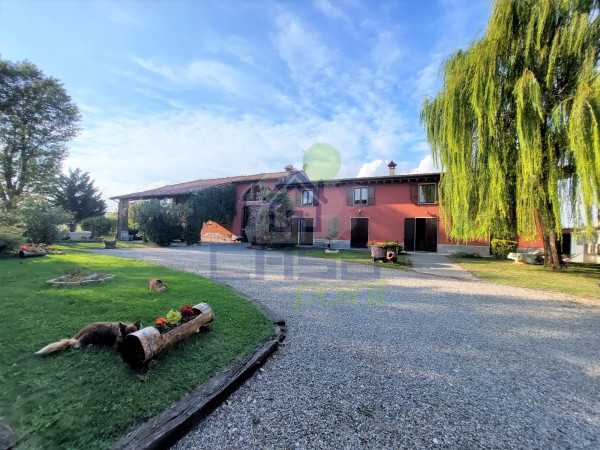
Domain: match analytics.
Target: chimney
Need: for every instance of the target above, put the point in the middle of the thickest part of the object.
(289, 168)
(392, 165)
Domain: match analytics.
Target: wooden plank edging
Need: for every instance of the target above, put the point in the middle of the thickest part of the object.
(168, 427)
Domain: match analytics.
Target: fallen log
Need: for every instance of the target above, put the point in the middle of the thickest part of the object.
(30, 253)
(140, 347)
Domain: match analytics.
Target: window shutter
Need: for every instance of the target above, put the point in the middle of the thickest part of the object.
(371, 191)
(414, 194)
(350, 197)
(315, 197)
(298, 197)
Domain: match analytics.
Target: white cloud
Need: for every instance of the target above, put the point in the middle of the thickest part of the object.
(373, 169)
(240, 48)
(197, 73)
(386, 51)
(301, 48)
(122, 13)
(426, 166)
(330, 10)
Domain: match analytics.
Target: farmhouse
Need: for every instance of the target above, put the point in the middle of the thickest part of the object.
(401, 208)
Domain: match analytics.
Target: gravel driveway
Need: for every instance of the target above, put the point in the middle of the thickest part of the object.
(430, 362)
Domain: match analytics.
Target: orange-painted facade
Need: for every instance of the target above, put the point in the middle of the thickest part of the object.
(393, 203)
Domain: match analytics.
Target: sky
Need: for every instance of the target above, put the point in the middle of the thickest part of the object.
(174, 91)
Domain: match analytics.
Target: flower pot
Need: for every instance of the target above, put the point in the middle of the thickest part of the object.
(110, 244)
(377, 253)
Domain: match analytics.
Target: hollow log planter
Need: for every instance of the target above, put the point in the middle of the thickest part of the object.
(140, 347)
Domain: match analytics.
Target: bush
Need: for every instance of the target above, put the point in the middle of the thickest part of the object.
(160, 222)
(41, 221)
(11, 236)
(501, 248)
(466, 255)
(97, 225)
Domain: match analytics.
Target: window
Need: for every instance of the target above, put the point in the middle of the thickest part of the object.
(307, 198)
(358, 196)
(361, 196)
(427, 193)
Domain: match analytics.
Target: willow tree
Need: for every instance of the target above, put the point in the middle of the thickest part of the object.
(517, 122)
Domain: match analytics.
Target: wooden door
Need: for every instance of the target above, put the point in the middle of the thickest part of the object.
(305, 231)
(431, 235)
(359, 232)
(409, 234)
(295, 227)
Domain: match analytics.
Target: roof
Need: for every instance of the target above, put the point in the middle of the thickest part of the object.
(189, 187)
(433, 176)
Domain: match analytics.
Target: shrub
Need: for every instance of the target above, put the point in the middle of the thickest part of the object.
(269, 220)
(501, 248)
(333, 229)
(466, 255)
(41, 221)
(11, 236)
(97, 225)
(159, 221)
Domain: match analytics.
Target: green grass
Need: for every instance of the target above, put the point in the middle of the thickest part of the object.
(89, 398)
(577, 279)
(351, 256)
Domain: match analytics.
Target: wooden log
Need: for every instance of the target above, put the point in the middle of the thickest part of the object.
(30, 253)
(140, 347)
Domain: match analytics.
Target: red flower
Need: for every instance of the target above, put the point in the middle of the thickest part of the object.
(187, 310)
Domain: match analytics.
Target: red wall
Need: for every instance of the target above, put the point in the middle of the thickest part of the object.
(386, 216)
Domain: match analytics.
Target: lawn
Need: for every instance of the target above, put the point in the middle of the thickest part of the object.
(89, 398)
(577, 279)
(352, 256)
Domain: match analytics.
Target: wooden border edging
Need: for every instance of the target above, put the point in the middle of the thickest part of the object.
(168, 427)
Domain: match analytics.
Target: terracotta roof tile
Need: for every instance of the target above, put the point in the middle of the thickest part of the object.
(197, 185)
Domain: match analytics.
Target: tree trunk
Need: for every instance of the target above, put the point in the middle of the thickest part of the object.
(552, 260)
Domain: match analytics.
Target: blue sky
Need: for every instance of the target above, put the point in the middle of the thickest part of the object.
(173, 91)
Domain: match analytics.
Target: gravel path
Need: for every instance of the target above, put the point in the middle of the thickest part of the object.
(430, 363)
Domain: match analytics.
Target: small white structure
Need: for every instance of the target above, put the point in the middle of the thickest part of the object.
(585, 250)
(79, 235)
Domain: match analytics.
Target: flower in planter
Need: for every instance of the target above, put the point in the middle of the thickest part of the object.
(173, 317)
(186, 312)
(161, 324)
(385, 244)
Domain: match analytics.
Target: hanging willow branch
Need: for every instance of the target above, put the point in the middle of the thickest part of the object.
(517, 122)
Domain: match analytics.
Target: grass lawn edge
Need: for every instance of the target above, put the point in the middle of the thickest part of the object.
(166, 428)
(580, 297)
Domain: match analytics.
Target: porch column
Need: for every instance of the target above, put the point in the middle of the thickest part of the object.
(123, 216)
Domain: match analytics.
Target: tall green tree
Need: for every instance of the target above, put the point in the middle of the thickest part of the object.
(37, 119)
(517, 121)
(76, 193)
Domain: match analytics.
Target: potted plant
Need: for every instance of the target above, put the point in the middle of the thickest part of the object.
(109, 244)
(380, 248)
(332, 230)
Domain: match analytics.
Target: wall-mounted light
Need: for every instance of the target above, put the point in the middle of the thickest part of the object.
(427, 213)
(359, 212)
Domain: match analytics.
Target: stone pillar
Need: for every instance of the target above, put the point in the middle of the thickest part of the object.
(123, 216)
